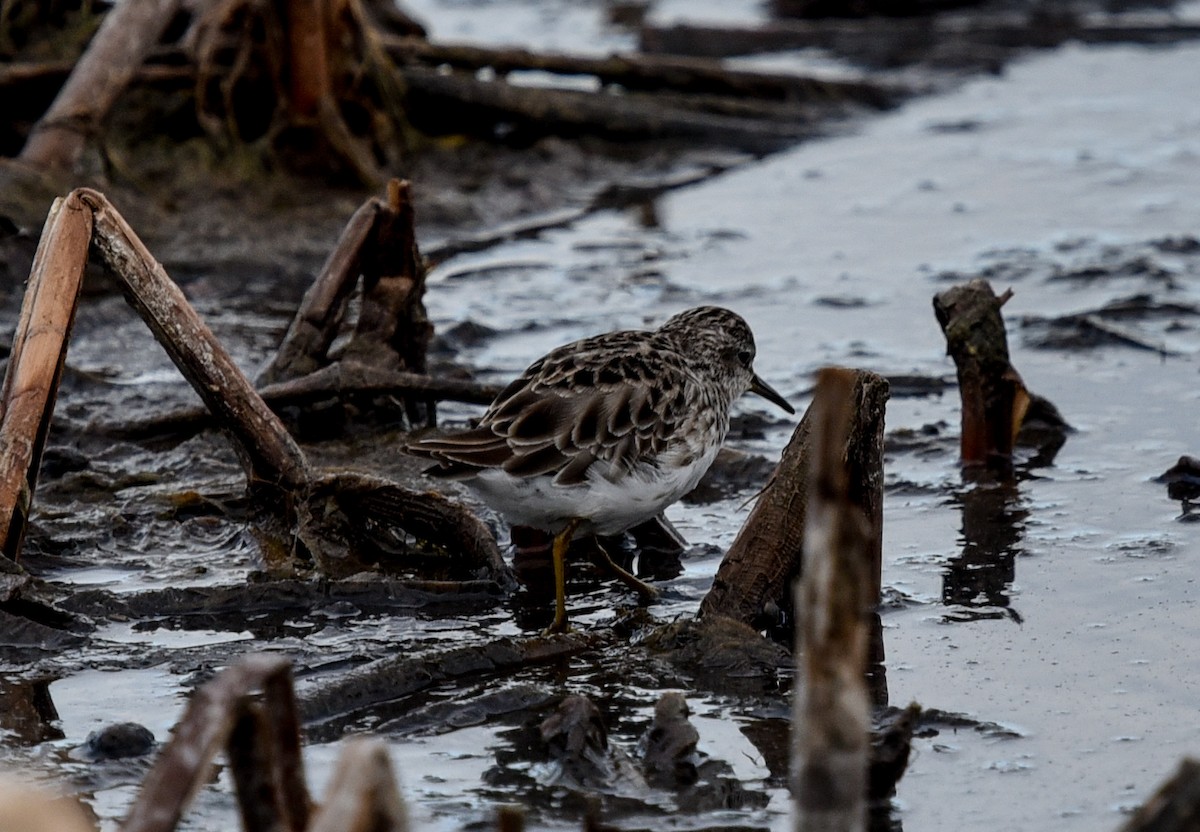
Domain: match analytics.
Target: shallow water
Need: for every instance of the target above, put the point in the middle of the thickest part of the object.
(1062, 607)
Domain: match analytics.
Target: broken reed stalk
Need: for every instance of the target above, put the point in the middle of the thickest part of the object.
(832, 721)
(762, 565)
(35, 364)
(250, 768)
(994, 398)
(362, 796)
(267, 452)
(126, 36)
(1175, 807)
(393, 330)
(393, 322)
(315, 326)
(214, 719)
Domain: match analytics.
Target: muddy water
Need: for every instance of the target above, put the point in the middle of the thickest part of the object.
(1065, 607)
(1061, 607)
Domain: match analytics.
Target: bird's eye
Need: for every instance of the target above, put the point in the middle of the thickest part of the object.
(745, 357)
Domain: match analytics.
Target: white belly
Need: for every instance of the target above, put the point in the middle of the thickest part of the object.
(607, 507)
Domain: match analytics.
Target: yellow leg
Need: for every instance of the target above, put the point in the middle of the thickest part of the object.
(561, 542)
(624, 575)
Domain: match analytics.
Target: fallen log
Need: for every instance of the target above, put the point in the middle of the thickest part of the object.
(894, 41)
(326, 706)
(456, 103)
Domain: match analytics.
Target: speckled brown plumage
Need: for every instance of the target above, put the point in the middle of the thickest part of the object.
(642, 410)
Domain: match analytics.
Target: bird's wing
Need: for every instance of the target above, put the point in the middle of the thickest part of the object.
(577, 405)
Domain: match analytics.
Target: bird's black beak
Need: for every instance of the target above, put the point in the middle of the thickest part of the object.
(757, 385)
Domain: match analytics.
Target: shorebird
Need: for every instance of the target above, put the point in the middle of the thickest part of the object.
(602, 434)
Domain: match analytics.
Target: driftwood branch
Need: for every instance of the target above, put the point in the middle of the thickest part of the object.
(124, 39)
(831, 710)
(753, 583)
(884, 39)
(344, 381)
(439, 103)
(326, 516)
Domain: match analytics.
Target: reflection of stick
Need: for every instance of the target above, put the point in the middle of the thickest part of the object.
(765, 559)
(35, 366)
(994, 398)
(832, 719)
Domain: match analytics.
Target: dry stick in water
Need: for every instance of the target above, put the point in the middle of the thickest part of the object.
(832, 713)
(267, 452)
(207, 724)
(393, 329)
(994, 399)
(35, 365)
(362, 796)
(764, 561)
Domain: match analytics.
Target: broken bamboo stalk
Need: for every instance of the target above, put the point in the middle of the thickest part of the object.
(754, 581)
(35, 364)
(994, 398)
(268, 453)
(126, 36)
(832, 720)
